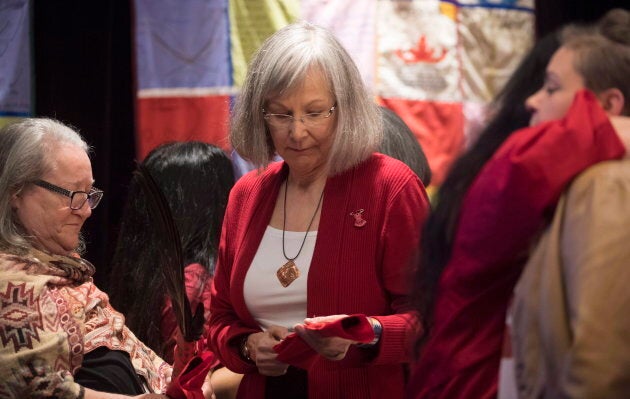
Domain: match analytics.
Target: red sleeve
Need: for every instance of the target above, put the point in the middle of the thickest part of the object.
(226, 327)
(400, 238)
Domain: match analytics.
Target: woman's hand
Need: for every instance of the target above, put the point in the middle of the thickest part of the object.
(332, 348)
(260, 346)
(168, 375)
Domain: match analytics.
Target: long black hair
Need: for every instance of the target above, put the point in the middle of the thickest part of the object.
(196, 179)
(510, 114)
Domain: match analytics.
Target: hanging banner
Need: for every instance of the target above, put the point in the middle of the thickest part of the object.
(15, 61)
(354, 27)
(251, 22)
(435, 63)
(183, 72)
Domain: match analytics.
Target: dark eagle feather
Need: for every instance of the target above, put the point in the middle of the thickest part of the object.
(171, 260)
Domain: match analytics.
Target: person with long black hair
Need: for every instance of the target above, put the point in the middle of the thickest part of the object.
(195, 179)
(569, 336)
(508, 114)
(476, 243)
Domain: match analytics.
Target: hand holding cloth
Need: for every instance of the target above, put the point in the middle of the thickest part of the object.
(295, 351)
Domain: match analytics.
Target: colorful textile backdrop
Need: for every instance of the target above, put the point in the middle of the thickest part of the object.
(15, 60)
(435, 63)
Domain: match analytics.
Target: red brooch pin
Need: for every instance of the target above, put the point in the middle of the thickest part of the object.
(358, 218)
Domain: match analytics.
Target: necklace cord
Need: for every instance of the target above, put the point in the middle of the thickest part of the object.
(284, 221)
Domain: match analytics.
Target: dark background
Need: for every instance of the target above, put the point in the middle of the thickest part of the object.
(84, 77)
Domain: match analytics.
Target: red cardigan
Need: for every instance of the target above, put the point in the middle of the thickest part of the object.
(504, 210)
(353, 270)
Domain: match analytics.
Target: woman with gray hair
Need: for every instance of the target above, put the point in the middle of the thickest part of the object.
(326, 233)
(59, 336)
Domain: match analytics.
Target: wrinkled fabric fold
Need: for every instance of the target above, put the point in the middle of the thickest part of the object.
(294, 351)
(188, 384)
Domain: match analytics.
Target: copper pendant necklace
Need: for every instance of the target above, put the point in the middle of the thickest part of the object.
(289, 272)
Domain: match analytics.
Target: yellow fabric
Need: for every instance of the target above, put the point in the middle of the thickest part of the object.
(251, 22)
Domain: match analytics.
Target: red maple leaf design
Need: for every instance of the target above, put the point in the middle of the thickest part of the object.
(421, 53)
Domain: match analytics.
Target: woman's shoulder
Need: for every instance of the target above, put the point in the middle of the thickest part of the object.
(16, 263)
(59, 269)
(251, 185)
(606, 177)
(384, 177)
(25, 277)
(11, 264)
(258, 177)
(383, 168)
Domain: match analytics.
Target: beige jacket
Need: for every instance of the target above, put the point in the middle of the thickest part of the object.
(571, 311)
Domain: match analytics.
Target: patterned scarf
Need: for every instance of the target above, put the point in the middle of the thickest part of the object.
(51, 314)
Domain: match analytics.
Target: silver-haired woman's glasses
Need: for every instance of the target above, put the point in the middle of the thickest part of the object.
(312, 119)
(77, 198)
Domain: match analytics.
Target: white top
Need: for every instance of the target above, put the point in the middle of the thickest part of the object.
(508, 388)
(267, 300)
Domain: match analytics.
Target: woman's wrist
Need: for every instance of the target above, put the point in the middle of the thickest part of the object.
(244, 349)
(377, 327)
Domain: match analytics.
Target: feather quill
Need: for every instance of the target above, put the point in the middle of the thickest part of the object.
(171, 263)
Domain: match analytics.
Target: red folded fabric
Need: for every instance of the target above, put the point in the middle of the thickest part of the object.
(294, 351)
(188, 384)
(184, 351)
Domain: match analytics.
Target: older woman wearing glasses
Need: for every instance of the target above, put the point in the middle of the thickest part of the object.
(59, 337)
(328, 232)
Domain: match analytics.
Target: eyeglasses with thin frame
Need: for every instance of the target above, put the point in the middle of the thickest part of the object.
(312, 119)
(77, 198)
